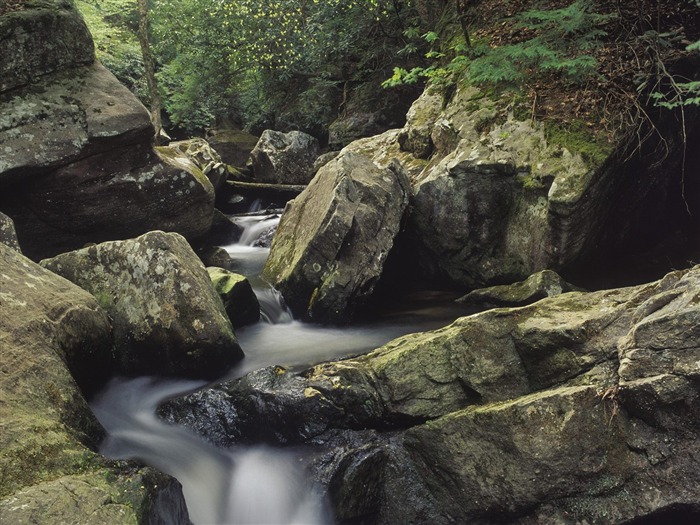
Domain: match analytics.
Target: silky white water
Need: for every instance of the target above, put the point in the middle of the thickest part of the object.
(244, 485)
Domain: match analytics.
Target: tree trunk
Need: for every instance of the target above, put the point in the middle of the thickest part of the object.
(149, 67)
(462, 7)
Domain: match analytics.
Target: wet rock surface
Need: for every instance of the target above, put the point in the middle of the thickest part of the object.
(580, 407)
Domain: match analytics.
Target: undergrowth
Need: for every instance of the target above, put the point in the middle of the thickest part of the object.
(591, 70)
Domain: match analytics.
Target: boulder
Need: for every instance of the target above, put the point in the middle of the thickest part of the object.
(239, 300)
(232, 145)
(284, 158)
(25, 51)
(53, 334)
(498, 197)
(291, 413)
(481, 214)
(77, 164)
(538, 286)
(202, 155)
(415, 137)
(582, 407)
(8, 235)
(114, 195)
(75, 114)
(168, 318)
(332, 241)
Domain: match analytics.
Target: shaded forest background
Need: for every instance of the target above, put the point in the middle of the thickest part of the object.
(591, 69)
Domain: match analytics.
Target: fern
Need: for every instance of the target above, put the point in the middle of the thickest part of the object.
(562, 36)
(560, 45)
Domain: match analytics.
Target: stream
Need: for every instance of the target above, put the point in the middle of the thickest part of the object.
(247, 485)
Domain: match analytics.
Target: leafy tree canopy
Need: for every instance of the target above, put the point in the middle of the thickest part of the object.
(252, 59)
(230, 57)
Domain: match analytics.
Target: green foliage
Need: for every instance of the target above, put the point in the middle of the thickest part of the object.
(218, 59)
(681, 92)
(112, 24)
(440, 71)
(678, 92)
(221, 58)
(562, 37)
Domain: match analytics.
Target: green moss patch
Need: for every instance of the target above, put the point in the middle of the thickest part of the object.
(580, 139)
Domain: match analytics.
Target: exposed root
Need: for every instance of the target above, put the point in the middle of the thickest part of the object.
(610, 395)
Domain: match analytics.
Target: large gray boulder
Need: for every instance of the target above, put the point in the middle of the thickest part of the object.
(85, 171)
(114, 195)
(77, 162)
(332, 241)
(482, 214)
(284, 158)
(53, 334)
(233, 145)
(167, 316)
(25, 51)
(76, 114)
(579, 408)
(499, 196)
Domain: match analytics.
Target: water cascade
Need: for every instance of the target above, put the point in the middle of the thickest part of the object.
(243, 485)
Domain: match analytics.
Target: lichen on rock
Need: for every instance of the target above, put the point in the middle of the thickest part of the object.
(332, 240)
(167, 316)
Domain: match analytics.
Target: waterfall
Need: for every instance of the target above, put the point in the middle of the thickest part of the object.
(243, 485)
(250, 255)
(246, 485)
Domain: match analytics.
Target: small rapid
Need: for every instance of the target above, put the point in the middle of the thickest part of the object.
(243, 485)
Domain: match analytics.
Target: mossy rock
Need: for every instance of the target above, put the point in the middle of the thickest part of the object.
(53, 334)
(168, 319)
(233, 145)
(235, 291)
(44, 37)
(103, 496)
(538, 286)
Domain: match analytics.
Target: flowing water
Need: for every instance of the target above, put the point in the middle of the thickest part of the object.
(243, 485)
